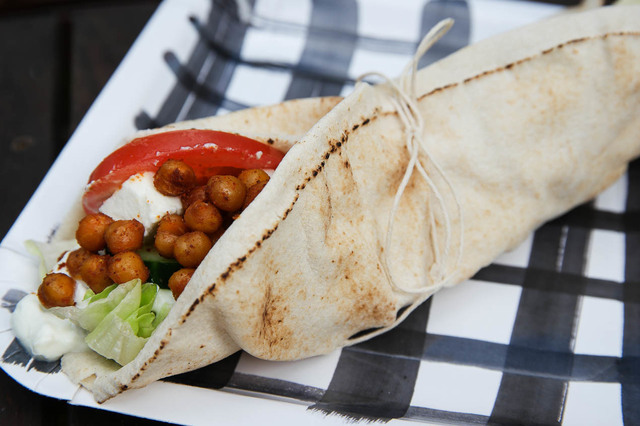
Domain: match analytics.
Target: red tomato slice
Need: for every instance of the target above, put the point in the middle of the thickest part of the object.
(208, 152)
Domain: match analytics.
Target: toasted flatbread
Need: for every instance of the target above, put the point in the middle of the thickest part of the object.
(524, 126)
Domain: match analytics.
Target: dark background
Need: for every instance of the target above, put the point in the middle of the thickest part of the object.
(55, 57)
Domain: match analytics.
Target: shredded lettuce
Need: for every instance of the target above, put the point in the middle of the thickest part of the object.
(162, 305)
(121, 318)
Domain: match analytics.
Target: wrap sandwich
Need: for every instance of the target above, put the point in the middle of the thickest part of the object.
(402, 188)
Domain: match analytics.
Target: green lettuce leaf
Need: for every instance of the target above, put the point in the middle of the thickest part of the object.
(121, 318)
(162, 305)
(101, 304)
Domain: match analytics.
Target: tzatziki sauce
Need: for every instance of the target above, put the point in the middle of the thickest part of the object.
(43, 334)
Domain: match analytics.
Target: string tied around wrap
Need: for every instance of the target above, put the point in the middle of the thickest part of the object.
(405, 100)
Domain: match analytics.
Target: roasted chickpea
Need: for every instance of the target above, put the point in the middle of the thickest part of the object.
(179, 280)
(197, 193)
(124, 235)
(191, 248)
(75, 260)
(164, 243)
(174, 178)
(252, 193)
(125, 266)
(171, 226)
(252, 177)
(90, 232)
(95, 273)
(201, 216)
(172, 223)
(226, 192)
(56, 290)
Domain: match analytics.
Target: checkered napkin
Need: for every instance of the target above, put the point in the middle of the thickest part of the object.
(548, 334)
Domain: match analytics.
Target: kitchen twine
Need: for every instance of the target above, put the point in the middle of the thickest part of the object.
(405, 101)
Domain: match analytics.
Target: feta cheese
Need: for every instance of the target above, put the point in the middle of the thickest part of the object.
(139, 199)
(43, 334)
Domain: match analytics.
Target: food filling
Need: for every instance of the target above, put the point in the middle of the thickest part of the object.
(138, 249)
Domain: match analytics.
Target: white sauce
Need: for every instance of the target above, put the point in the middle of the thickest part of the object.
(139, 199)
(43, 334)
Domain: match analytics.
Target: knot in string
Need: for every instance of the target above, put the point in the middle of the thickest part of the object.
(405, 101)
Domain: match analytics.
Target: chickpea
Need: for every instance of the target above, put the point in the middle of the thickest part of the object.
(179, 280)
(90, 232)
(125, 266)
(252, 177)
(172, 223)
(174, 178)
(164, 243)
(171, 226)
(201, 216)
(56, 290)
(95, 273)
(226, 192)
(75, 260)
(124, 235)
(191, 248)
(197, 193)
(252, 193)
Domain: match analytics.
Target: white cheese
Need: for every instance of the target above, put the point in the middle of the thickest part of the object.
(139, 199)
(43, 334)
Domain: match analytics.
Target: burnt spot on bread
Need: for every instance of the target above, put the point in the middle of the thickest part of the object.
(193, 306)
(272, 329)
(164, 342)
(527, 59)
(270, 141)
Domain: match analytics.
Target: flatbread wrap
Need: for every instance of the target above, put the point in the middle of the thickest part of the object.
(516, 130)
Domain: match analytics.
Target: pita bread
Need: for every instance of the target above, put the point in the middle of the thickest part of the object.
(524, 126)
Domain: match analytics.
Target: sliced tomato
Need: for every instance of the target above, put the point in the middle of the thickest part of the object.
(208, 152)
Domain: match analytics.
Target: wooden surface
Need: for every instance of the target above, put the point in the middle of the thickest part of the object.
(55, 57)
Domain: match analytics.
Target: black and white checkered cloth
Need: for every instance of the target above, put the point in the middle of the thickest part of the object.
(548, 334)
